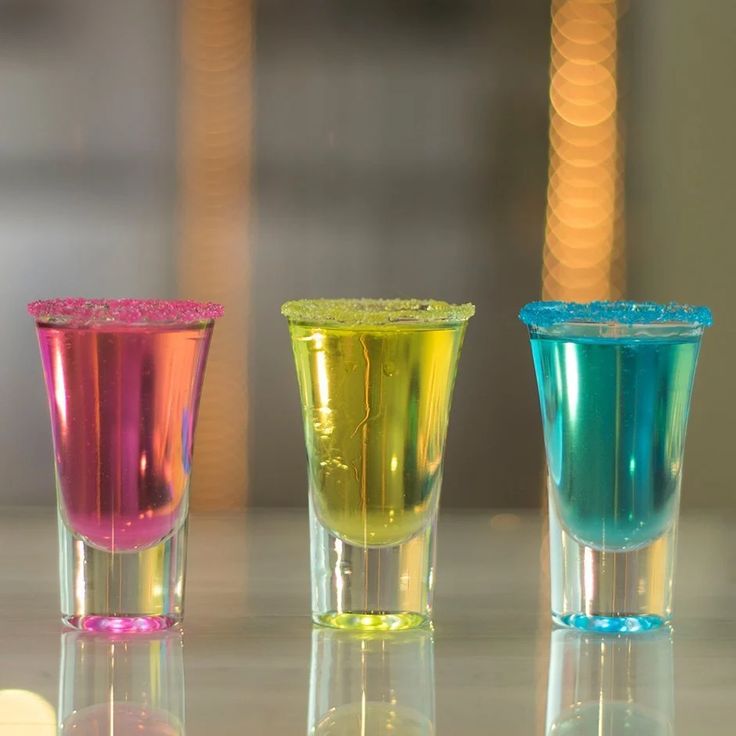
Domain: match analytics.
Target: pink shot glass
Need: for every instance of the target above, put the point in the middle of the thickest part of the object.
(123, 379)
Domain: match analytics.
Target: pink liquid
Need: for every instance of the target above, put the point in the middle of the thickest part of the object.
(123, 403)
(121, 624)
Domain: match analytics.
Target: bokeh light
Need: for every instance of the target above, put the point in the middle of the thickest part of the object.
(213, 252)
(583, 237)
(25, 713)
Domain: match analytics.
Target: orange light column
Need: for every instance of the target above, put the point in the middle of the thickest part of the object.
(215, 140)
(583, 245)
(583, 249)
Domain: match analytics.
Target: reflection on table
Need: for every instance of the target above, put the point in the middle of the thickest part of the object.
(610, 685)
(121, 684)
(372, 684)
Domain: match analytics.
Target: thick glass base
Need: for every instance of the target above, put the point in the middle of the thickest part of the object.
(610, 590)
(387, 588)
(121, 592)
(610, 624)
(371, 621)
(121, 624)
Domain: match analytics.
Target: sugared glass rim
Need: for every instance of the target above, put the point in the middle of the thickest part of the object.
(82, 312)
(555, 314)
(376, 312)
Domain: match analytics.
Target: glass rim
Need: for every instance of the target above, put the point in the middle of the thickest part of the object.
(92, 313)
(615, 316)
(361, 312)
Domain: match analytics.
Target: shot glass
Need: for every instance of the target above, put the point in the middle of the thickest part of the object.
(610, 685)
(371, 682)
(614, 380)
(376, 380)
(125, 685)
(123, 379)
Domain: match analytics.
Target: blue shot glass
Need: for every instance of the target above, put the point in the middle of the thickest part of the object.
(615, 381)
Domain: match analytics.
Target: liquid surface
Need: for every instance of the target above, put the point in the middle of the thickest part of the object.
(373, 719)
(123, 407)
(615, 414)
(375, 405)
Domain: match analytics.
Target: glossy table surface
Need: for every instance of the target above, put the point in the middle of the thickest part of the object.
(248, 660)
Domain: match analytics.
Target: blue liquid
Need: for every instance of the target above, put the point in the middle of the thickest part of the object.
(611, 624)
(615, 413)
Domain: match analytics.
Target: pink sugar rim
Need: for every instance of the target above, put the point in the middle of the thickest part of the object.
(79, 311)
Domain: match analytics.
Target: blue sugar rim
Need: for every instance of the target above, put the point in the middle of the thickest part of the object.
(549, 314)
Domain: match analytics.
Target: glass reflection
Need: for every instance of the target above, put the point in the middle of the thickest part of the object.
(610, 685)
(121, 684)
(371, 683)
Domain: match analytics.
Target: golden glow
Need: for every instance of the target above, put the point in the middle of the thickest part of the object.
(25, 713)
(213, 247)
(583, 235)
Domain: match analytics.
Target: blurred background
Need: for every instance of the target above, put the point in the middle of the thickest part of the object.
(467, 150)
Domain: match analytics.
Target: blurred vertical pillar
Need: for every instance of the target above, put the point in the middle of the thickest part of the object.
(584, 245)
(215, 130)
(584, 235)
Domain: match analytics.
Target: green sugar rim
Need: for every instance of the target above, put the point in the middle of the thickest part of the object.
(376, 312)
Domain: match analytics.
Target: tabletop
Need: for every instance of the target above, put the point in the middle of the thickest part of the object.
(248, 660)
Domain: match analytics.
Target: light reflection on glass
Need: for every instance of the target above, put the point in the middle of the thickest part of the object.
(610, 685)
(323, 377)
(60, 391)
(125, 685)
(371, 683)
(572, 380)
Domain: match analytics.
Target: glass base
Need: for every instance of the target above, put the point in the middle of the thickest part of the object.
(121, 592)
(121, 624)
(386, 588)
(371, 621)
(609, 624)
(610, 590)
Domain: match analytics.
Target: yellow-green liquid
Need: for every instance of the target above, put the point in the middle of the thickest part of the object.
(375, 402)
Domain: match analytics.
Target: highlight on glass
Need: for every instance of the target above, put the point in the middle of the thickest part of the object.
(615, 381)
(610, 685)
(371, 682)
(123, 379)
(121, 684)
(376, 380)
